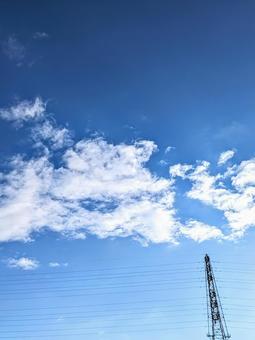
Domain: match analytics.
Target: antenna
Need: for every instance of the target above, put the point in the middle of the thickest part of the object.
(217, 327)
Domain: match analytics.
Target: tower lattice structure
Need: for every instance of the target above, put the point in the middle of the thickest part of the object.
(217, 327)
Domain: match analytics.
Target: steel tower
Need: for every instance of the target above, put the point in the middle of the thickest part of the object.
(217, 327)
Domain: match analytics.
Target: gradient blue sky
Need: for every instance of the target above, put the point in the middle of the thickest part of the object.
(178, 73)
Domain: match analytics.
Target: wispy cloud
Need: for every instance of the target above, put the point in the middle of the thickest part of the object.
(40, 35)
(225, 156)
(231, 132)
(14, 49)
(163, 162)
(169, 148)
(24, 111)
(23, 263)
(19, 49)
(47, 133)
(57, 264)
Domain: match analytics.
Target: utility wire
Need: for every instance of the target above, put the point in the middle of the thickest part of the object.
(81, 319)
(105, 304)
(119, 275)
(99, 293)
(146, 330)
(104, 327)
(82, 288)
(104, 269)
(110, 284)
(102, 313)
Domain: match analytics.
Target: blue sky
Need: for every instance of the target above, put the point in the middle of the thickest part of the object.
(126, 150)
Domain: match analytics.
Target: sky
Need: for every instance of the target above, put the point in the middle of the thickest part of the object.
(126, 155)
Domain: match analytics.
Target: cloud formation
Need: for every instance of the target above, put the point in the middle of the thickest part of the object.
(105, 189)
(100, 188)
(199, 231)
(23, 263)
(48, 134)
(225, 156)
(232, 192)
(24, 111)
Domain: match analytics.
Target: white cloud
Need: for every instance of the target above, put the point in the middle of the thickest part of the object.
(24, 111)
(106, 190)
(45, 134)
(236, 200)
(179, 170)
(25, 204)
(169, 148)
(23, 263)
(162, 162)
(97, 170)
(245, 175)
(75, 235)
(101, 189)
(57, 264)
(48, 132)
(54, 264)
(200, 232)
(225, 156)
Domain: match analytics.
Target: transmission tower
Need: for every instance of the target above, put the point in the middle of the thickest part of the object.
(217, 327)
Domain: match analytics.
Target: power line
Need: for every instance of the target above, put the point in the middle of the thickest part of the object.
(104, 304)
(82, 319)
(166, 329)
(152, 279)
(105, 327)
(120, 275)
(57, 272)
(121, 282)
(101, 293)
(99, 313)
(156, 309)
(82, 288)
